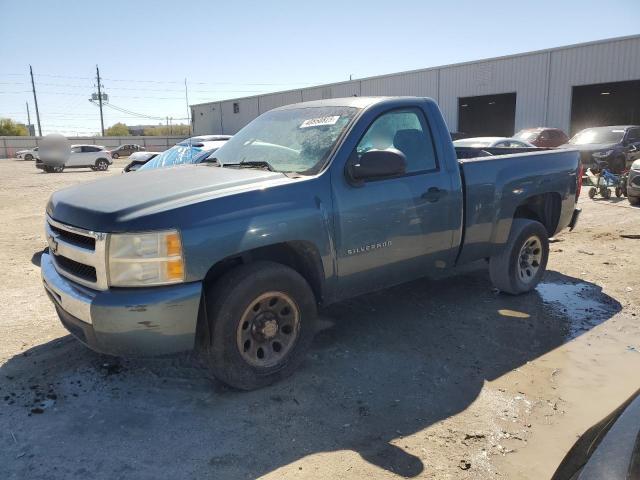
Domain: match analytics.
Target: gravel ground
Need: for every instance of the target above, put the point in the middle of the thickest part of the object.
(433, 379)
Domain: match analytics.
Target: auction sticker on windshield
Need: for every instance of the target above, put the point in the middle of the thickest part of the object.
(320, 121)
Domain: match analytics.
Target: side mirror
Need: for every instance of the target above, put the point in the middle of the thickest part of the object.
(378, 164)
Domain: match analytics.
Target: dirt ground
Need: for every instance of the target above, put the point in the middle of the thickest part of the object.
(433, 379)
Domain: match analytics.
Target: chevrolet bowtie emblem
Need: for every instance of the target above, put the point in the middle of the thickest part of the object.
(53, 244)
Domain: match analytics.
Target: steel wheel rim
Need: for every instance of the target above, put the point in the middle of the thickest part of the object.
(268, 329)
(529, 259)
(102, 165)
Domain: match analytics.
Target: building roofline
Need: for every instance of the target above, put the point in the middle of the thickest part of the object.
(427, 69)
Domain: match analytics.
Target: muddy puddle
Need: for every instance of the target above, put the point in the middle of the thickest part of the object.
(583, 305)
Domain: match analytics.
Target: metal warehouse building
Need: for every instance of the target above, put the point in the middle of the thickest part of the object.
(572, 87)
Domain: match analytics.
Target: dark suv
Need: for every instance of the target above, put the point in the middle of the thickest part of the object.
(617, 146)
(542, 136)
(126, 150)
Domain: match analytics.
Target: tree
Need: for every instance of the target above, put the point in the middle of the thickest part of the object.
(9, 128)
(117, 130)
(164, 130)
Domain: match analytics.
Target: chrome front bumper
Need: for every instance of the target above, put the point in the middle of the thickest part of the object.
(125, 321)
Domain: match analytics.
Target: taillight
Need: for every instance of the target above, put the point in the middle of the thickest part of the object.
(579, 181)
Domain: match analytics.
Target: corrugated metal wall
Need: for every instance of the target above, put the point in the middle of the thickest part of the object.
(613, 61)
(542, 82)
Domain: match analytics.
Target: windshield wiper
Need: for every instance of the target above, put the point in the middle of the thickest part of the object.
(210, 160)
(251, 164)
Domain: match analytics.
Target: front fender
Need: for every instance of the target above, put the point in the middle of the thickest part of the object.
(293, 212)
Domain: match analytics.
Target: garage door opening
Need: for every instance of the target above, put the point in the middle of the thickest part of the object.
(487, 115)
(604, 104)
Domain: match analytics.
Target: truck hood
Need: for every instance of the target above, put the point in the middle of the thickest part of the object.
(107, 205)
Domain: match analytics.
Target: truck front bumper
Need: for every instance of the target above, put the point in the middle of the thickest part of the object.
(126, 321)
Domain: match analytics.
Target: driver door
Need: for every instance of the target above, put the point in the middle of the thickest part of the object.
(392, 230)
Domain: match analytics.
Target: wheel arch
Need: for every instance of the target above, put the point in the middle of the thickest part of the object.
(302, 256)
(544, 208)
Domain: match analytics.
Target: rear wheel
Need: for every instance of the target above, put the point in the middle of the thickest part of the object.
(605, 192)
(523, 261)
(102, 165)
(262, 320)
(57, 169)
(592, 192)
(618, 192)
(634, 200)
(28, 157)
(115, 155)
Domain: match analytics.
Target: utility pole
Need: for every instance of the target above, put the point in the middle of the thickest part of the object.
(186, 98)
(100, 100)
(170, 125)
(35, 100)
(28, 114)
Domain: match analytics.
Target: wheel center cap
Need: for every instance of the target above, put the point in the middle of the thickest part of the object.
(270, 328)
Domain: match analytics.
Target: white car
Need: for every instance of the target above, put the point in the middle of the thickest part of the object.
(492, 142)
(138, 159)
(95, 157)
(28, 154)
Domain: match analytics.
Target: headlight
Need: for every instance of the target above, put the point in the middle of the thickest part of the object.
(602, 154)
(145, 259)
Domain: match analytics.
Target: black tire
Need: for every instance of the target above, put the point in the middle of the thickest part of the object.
(47, 169)
(505, 267)
(606, 193)
(102, 165)
(634, 200)
(618, 192)
(592, 192)
(230, 300)
(57, 169)
(115, 156)
(28, 157)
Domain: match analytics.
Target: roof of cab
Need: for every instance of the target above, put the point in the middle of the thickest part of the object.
(357, 102)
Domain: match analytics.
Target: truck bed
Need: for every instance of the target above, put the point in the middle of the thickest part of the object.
(495, 187)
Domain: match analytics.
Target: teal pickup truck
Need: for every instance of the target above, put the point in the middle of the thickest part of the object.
(307, 205)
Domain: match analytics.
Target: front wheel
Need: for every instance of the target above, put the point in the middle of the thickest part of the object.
(115, 156)
(605, 192)
(618, 192)
(28, 157)
(262, 320)
(523, 261)
(102, 165)
(592, 192)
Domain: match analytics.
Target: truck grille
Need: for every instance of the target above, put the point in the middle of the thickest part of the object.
(78, 254)
(76, 269)
(75, 238)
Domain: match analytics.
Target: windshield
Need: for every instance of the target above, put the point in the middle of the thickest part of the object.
(598, 135)
(297, 140)
(527, 135)
(176, 155)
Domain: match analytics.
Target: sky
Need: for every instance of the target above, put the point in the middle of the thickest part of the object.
(146, 49)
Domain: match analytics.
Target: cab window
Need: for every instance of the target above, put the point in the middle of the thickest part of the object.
(405, 130)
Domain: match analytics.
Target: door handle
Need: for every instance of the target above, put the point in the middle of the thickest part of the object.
(433, 194)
